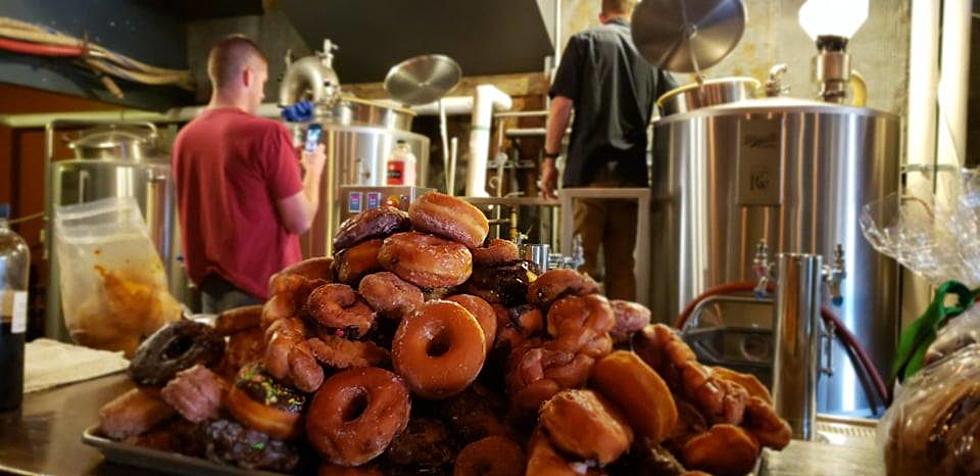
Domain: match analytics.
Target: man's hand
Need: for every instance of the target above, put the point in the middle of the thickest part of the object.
(549, 178)
(313, 162)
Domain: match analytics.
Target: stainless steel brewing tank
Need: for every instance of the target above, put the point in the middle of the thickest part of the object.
(148, 180)
(356, 155)
(795, 174)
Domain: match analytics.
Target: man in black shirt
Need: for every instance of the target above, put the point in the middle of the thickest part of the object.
(612, 90)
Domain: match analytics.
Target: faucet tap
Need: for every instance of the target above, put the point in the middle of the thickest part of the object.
(834, 274)
(762, 268)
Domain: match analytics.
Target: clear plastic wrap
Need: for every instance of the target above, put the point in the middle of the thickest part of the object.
(933, 426)
(932, 226)
(113, 286)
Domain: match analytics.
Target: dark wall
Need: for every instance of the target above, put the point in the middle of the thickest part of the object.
(142, 31)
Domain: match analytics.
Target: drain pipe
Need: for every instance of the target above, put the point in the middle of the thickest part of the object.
(486, 100)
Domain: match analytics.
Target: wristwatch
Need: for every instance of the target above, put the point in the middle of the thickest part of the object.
(551, 155)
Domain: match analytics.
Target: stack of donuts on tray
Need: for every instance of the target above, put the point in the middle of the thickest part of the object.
(423, 347)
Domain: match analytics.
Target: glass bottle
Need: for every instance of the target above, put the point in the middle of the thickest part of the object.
(15, 262)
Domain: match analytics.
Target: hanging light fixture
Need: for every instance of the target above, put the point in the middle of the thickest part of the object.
(831, 24)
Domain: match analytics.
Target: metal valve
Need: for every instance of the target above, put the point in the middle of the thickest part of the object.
(762, 268)
(834, 274)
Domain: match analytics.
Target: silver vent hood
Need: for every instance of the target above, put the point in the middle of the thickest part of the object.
(484, 37)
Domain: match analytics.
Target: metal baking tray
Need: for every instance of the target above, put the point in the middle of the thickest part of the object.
(161, 461)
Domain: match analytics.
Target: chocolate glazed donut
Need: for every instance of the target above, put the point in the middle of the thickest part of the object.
(374, 223)
(175, 347)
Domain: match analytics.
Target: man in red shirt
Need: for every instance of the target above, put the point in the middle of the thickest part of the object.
(241, 198)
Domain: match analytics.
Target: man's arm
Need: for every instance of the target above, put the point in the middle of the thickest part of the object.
(298, 211)
(558, 116)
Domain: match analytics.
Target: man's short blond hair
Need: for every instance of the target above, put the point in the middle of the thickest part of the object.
(618, 7)
(229, 56)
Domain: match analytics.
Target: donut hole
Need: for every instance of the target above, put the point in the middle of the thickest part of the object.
(440, 343)
(483, 467)
(356, 406)
(177, 346)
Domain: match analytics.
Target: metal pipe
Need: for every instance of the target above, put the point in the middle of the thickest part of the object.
(795, 332)
(530, 132)
(486, 99)
(954, 81)
(520, 114)
(175, 115)
(557, 38)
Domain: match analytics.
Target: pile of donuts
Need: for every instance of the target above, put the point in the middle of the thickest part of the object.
(423, 347)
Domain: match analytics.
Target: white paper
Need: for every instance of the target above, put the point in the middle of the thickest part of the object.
(19, 323)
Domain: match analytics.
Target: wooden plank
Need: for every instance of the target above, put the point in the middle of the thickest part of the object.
(519, 84)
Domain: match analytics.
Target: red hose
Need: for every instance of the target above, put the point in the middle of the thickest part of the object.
(851, 341)
(38, 49)
(828, 316)
(720, 290)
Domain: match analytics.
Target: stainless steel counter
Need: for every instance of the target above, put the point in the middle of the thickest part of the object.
(44, 437)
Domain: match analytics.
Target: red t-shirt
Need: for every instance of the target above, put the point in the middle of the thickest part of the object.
(230, 169)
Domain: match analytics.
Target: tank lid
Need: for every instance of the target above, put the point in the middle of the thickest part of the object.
(776, 105)
(112, 137)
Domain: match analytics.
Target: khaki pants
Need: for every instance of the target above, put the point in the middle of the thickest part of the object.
(611, 226)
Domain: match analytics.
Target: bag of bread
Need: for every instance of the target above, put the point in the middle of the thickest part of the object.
(113, 284)
(933, 426)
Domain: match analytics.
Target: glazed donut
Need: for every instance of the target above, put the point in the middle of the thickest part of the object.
(177, 346)
(474, 414)
(370, 224)
(228, 442)
(762, 421)
(424, 445)
(722, 450)
(543, 459)
(389, 295)
(330, 469)
(319, 268)
(242, 348)
(639, 392)
(516, 325)
(630, 317)
(721, 401)
(196, 393)
(449, 217)
(338, 308)
(749, 382)
(581, 423)
(340, 353)
(356, 414)
(582, 324)
(483, 313)
(287, 296)
(238, 319)
(352, 264)
(558, 283)
(425, 260)
(439, 350)
(132, 413)
(288, 356)
(491, 456)
(497, 252)
(260, 402)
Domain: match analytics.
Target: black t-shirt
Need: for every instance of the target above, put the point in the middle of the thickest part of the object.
(613, 90)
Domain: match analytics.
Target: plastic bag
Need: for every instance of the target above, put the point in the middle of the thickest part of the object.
(933, 426)
(113, 286)
(955, 335)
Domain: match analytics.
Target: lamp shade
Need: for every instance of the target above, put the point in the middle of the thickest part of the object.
(833, 17)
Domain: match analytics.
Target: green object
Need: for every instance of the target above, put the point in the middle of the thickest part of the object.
(917, 337)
